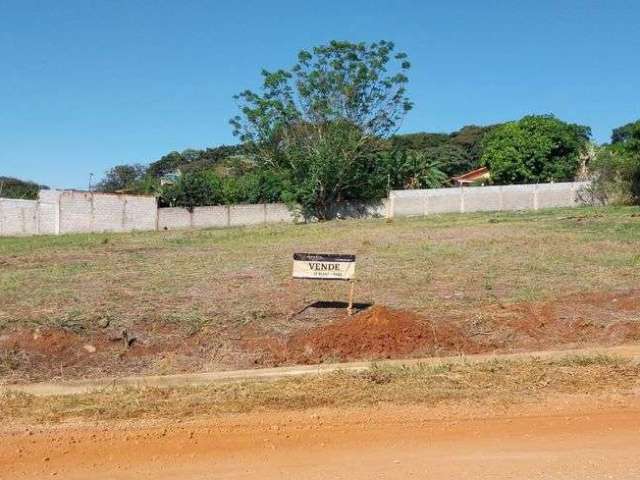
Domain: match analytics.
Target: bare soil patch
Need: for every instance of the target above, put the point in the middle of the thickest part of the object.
(378, 332)
(383, 333)
(562, 439)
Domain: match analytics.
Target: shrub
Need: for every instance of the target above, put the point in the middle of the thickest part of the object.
(193, 189)
(15, 188)
(616, 169)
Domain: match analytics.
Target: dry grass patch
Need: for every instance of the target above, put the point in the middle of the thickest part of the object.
(499, 381)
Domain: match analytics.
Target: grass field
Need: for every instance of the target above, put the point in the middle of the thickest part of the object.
(189, 297)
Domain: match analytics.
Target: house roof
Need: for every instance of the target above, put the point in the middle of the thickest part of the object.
(473, 175)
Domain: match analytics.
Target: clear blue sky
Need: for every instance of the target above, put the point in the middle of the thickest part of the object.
(88, 84)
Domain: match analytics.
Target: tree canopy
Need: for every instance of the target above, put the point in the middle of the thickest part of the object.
(627, 135)
(191, 159)
(535, 149)
(320, 122)
(121, 177)
(455, 153)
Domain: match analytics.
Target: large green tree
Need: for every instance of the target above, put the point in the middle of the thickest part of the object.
(535, 149)
(321, 122)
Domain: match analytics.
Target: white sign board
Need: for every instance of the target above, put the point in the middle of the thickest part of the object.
(324, 266)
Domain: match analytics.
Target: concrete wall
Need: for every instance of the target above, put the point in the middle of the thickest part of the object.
(362, 209)
(223, 216)
(100, 212)
(403, 203)
(57, 212)
(18, 217)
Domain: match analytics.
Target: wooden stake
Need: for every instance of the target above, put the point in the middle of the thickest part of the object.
(350, 307)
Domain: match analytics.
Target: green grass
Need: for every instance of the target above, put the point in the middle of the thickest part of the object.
(435, 264)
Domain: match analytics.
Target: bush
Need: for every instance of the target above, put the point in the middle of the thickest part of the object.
(202, 188)
(616, 169)
(15, 188)
(616, 177)
(193, 189)
(410, 169)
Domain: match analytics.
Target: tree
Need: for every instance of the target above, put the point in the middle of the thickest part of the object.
(15, 188)
(191, 159)
(628, 135)
(535, 149)
(167, 164)
(455, 153)
(470, 139)
(121, 177)
(321, 121)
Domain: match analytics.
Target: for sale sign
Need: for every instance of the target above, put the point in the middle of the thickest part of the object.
(324, 266)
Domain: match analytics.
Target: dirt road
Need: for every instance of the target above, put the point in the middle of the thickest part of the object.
(563, 439)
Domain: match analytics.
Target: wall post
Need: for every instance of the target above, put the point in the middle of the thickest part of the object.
(391, 205)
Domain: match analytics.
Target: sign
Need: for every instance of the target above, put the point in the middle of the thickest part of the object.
(324, 266)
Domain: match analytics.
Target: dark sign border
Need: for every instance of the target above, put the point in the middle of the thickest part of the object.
(324, 257)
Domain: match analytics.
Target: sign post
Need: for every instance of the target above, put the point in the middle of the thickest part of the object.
(326, 266)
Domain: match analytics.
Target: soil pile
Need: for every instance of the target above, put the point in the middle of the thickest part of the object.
(376, 333)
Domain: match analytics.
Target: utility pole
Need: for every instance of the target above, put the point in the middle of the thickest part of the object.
(90, 180)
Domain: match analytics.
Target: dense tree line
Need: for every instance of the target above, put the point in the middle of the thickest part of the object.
(325, 131)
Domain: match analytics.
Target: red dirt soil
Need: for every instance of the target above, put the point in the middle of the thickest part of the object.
(381, 332)
(577, 320)
(376, 333)
(565, 439)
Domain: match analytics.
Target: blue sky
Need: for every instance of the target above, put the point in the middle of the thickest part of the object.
(88, 84)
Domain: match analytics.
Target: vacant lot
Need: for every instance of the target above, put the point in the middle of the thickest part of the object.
(205, 300)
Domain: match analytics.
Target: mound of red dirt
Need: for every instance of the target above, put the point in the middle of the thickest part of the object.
(376, 333)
